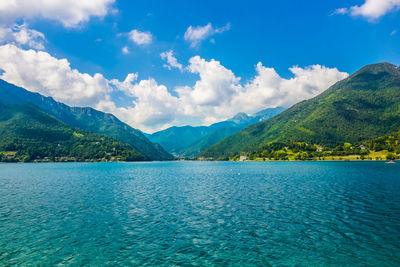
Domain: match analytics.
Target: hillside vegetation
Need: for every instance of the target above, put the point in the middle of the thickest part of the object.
(28, 134)
(85, 118)
(364, 106)
(188, 141)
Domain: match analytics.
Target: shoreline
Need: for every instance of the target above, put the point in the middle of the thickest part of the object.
(162, 161)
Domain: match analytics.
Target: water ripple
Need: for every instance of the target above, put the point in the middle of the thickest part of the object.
(200, 213)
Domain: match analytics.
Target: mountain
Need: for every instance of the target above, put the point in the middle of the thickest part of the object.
(210, 139)
(361, 107)
(28, 133)
(85, 118)
(188, 141)
(241, 119)
(175, 139)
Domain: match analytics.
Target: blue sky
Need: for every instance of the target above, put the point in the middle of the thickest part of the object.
(216, 63)
(279, 33)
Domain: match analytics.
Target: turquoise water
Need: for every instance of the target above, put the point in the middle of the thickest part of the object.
(200, 213)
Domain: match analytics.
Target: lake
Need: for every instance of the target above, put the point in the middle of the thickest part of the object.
(200, 213)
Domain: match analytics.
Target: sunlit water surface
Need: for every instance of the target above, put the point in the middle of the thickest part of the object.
(200, 213)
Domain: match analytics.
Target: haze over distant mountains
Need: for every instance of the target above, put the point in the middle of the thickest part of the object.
(188, 141)
(361, 107)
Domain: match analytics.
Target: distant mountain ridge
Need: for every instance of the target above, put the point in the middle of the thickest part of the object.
(361, 107)
(85, 118)
(188, 141)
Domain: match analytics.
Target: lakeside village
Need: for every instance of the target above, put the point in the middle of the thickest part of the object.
(12, 156)
(377, 149)
(294, 152)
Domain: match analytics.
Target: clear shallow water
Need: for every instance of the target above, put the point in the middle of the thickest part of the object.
(200, 213)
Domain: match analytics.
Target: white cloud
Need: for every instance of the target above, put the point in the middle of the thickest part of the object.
(68, 12)
(125, 50)
(217, 95)
(225, 28)
(42, 73)
(216, 85)
(269, 89)
(393, 32)
(196, 34)
(371, 9)
(22, 35)
(172, 62)
(140, 38)
(341, 11)
(153, 105)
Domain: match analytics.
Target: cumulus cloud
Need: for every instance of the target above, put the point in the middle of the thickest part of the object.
(267, 88)
(172, 62)
(140, 38)
(68, 12)
(42, 73)
(216, 85)
(196, 34)
(153, 105)
(371, 9)
(125, 50)
(217, 94)
(22, 35)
